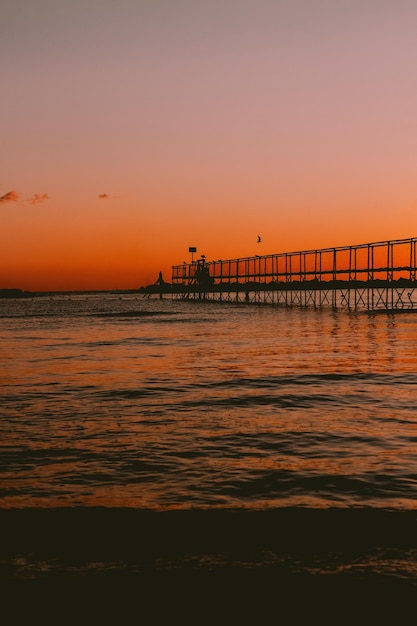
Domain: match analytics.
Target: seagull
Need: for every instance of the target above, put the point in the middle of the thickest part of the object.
(259, 239)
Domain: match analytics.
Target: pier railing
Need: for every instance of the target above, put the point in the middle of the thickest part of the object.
(379, 275)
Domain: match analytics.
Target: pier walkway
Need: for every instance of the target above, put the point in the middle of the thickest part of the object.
(372, 276)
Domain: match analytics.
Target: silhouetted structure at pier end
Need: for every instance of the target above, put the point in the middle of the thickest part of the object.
(373, 276)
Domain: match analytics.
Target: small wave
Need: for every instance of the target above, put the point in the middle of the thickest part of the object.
(282, 400)
(311, 379)
(123, 314)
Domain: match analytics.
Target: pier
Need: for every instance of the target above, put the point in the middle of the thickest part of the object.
(372, 276)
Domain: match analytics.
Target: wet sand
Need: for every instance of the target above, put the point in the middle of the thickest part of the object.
(124, 564)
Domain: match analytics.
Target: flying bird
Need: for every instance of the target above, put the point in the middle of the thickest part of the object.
(259, 239)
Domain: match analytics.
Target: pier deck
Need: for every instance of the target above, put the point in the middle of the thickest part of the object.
(373, 276)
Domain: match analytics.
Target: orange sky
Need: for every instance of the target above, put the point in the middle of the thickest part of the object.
(133, 130)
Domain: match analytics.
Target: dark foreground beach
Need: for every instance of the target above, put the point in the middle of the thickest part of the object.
(277, 566)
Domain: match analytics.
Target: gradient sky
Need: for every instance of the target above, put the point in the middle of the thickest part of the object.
(133, 129)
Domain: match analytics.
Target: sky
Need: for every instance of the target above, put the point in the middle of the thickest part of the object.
(134, 129)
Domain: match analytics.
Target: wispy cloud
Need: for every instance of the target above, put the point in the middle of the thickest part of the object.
(14, 196)
(39, 197)
(10, 196)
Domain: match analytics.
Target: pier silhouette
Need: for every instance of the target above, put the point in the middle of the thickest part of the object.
(373, 276)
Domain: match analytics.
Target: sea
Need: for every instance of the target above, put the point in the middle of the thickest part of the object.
(204, 412)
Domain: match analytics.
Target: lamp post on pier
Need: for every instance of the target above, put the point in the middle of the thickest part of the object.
(192, 249)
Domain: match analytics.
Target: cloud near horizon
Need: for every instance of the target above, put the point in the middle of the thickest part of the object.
(39, 197)
(10, 196)
(103, 196)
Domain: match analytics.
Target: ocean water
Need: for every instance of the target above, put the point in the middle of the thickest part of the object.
(119, 402)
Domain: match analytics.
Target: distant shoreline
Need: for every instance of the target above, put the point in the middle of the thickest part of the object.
(19, 293)
(232, 287)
